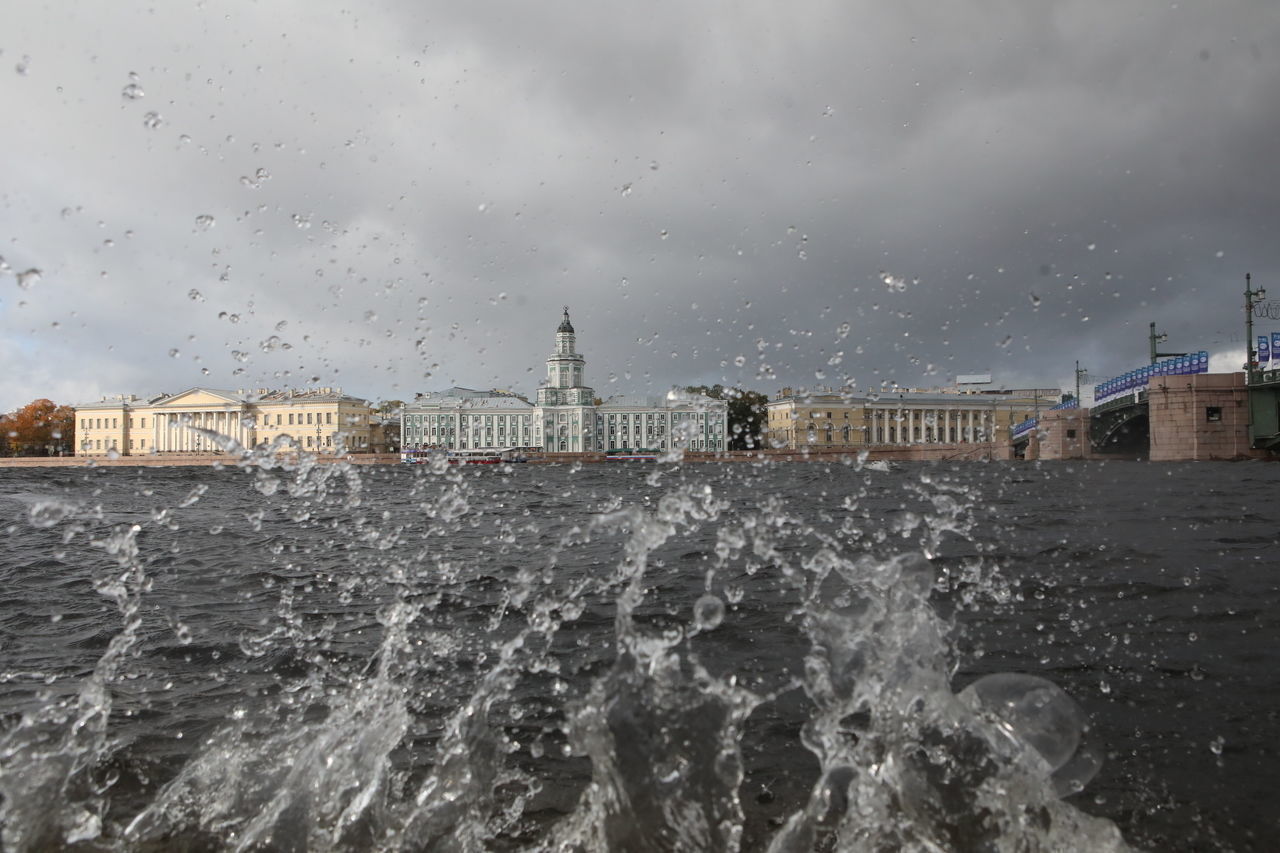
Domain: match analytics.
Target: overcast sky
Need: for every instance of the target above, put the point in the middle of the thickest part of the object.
(401, 198)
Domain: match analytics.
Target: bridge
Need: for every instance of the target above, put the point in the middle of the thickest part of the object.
(1121, 425)
(1172, 410)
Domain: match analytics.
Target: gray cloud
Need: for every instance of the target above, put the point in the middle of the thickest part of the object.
(702, 185)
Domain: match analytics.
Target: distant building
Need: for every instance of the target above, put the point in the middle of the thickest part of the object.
(318, 420)
(566, 417)
(832, 419)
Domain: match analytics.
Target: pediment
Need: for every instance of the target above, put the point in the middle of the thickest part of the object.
(200, 397)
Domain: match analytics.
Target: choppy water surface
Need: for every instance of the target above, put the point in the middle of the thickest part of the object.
(698, 657)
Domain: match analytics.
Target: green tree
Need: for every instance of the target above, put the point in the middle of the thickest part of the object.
(747, 413)
(41, 428)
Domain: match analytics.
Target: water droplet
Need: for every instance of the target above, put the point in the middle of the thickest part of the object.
(708, 613)
(29, 278)
(626, 190)
(653, 165)
(303, 222)
(740, 360)
(175, 353)
(47, 513)
(1004, 344)
(1219, 254)
(195, 295)
(239, 355)
(842, 331)
(270, 344)
(1091, 246)
(1035, 300)
(23, 66)
(204, 222)
(1215, 745)
(132, 92)
(663, 234)
(894, 283)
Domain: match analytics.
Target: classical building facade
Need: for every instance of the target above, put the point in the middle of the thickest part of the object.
(833, 420)
(567, 417)
(319, 420)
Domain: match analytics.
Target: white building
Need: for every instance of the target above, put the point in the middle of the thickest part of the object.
(567, 417)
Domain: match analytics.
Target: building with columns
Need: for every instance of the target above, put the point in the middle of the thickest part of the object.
(567, 417)
(319, 420)
(830, 419)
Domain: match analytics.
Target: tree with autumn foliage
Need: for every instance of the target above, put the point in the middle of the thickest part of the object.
(40, 428)
(747, 413)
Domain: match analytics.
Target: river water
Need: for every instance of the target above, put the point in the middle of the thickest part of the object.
(640, 657)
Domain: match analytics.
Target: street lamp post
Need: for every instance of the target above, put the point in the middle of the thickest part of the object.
(1251, 298)
(1156, 338)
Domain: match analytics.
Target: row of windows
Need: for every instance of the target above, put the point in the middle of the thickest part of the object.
(105, 423)
(141, 423)
(868, 414)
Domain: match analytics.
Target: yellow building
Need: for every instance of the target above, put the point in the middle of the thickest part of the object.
(317, 420)
(834, 420)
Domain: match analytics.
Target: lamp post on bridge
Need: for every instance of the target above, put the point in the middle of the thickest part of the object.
(1155, 338)
(1251, 298)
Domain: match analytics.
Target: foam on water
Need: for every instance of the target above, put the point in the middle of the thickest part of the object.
(525, 703)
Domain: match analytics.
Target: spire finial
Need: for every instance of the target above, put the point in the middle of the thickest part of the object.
(565, 325)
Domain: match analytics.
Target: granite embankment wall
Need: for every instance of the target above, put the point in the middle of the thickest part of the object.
(167, 461)
(902, 453)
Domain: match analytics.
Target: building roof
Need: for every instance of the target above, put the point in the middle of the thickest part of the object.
(481, 401)
(565, 325)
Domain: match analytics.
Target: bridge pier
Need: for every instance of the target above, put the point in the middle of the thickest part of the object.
(1201, 416)
(1063, 434)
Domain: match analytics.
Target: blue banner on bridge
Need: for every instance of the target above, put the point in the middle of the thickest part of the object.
(1264, 349)
(1136, 380)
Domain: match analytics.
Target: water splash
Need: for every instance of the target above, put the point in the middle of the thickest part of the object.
(586, 684)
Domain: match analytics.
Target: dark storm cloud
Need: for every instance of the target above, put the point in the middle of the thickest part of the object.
(703, 185)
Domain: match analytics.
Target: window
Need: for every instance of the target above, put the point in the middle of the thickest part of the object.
(1213, 414)
(1071, 433)
(290, 419)
(308, 418)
